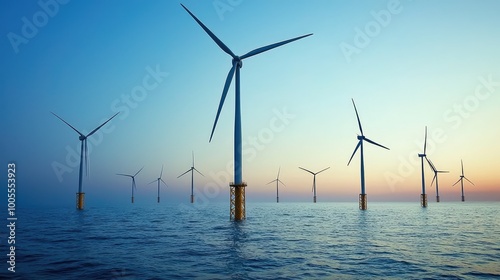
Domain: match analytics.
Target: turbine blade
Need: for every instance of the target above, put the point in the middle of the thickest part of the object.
(198, 172)
(357, 146)
(431, 165)
(86, 155)
(271, 182)
(370, 141)
(307, 170)
(153, 181)
(138, 171)
(93, 131)
(322, 170)
(183, 173)
(223, 97)
(442, 171)
(435, 175)
(462, 167)
(469, 181)
(357, 116)
(161, 173)
(282, 183)
(272, 46)
(457, 181)
(279, 169)
(124, 175)
(212, 35)
(425, 140)
(163, 182)
(68, 124)
(192, 153)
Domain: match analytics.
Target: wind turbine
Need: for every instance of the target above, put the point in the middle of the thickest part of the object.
(133, 181)
(314, 180)
(158, 180)
(435, 177)
(237, 203)
(361, 138)
(192, 169)
(83, 154)
(277, 180)
(423, 196)
(461, 180)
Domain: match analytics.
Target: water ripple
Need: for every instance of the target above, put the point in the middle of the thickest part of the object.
(285, 241)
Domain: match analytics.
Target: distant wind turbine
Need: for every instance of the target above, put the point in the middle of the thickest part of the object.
(461, 180)
(277, 180)
(423, 196)
(361, 138)
(158, 180)
(238, 186)
(83, 154)
(192, 169)
(435, 177)
(314, 180)
(133, 181)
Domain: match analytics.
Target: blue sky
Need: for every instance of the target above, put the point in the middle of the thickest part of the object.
(407, 64)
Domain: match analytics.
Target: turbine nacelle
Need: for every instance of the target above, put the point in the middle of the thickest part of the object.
(422, 155)
(82, 137)
(361, 137)
(237, 60)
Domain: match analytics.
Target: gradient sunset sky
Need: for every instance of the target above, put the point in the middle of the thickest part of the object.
(407, 65)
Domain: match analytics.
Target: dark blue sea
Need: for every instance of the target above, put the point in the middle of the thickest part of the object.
(277, 241)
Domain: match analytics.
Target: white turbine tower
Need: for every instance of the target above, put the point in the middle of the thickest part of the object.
(423, 196)
(237, 188)
(192, 169)
(461, 180)
(133, 181)
(314, 180)
(435, 177)
(83, 154)
(362, 197)
(159, 179)
(277, 180)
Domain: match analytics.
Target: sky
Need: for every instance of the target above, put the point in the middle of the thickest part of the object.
(407, 64)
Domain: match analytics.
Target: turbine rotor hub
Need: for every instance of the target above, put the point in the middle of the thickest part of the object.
(361, 137)
(237, 60)
(82, 137)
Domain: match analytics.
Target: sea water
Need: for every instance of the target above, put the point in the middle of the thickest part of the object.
(276, 241)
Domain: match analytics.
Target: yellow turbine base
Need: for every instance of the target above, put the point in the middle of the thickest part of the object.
(237, 201)
(363, 203)
(80, 200)
(423, 200)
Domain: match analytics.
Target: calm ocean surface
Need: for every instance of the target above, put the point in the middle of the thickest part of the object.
(277, 241)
